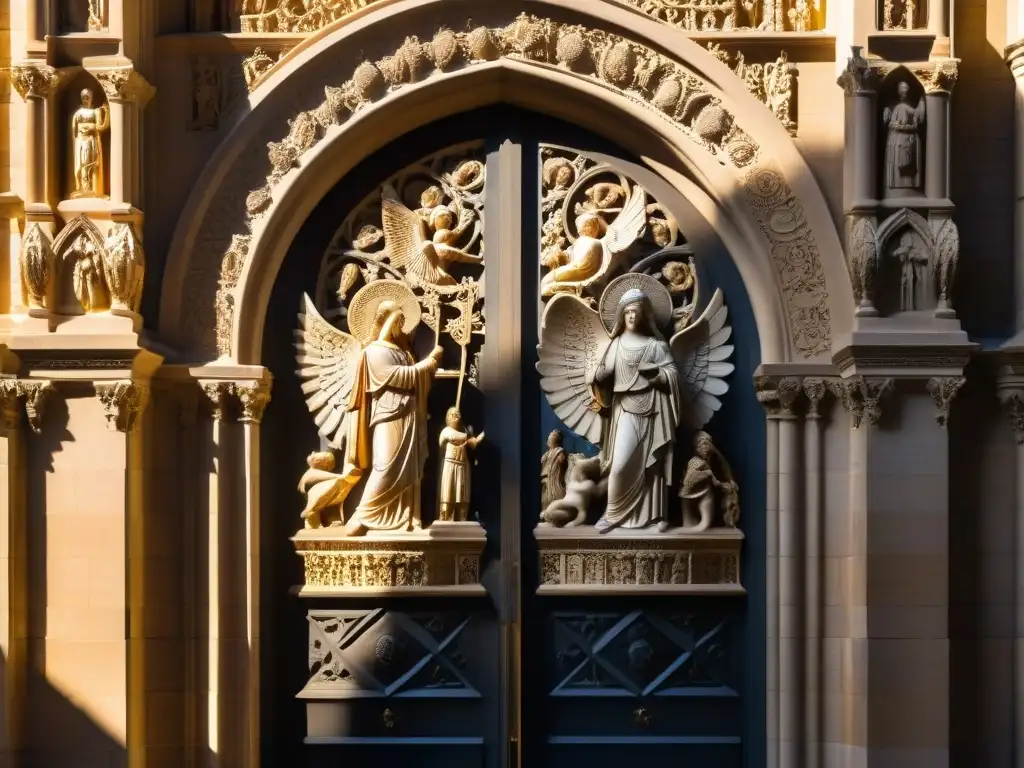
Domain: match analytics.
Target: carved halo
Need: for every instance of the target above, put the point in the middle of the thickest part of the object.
(363, 309)
(657, 294)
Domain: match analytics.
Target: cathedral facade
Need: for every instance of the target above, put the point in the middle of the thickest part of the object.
(506, 383)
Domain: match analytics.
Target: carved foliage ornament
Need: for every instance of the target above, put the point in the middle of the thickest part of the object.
(728, 15)
(862, 397)
(773, 84)
(943, 390)
(664, 85)
(863, 75)
(35, 81)
(123, 401)
(32, 394)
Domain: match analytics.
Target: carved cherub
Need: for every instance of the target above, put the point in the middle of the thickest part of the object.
(585, 484)
(590, 257)
(701, 482)
(324, 488)
(424, 253)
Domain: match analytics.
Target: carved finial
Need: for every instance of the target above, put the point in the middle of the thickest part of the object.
(123, 401)
(943, 389)
(218, 395)
(124, 266)
(254, 398)
(1012, 401)
(862, 397)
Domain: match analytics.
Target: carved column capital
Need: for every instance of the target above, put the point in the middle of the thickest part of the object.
(219, 395)
(816, 391)
(126, 85)
(254, 398)
(123, 401)
(859, 77)
(1011, 398)
(34, 394)
(862, 397)
(943, 389)
(34, 80)
(939, 76)
(10, 404)
(781, 396)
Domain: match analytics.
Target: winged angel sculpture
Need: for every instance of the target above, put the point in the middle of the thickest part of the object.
(369, 394)
(611, 377)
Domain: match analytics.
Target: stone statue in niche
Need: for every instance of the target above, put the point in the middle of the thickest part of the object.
(552, 470)
(324, 488)
(371, 393)
(87, 127)
(456, 441)
(903, 121)
(88, 279)
(914, 283)
(206, 95)
(612, 377)
(708, 478)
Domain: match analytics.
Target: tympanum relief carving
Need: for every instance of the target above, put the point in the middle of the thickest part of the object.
(624, 362)
(404, 269)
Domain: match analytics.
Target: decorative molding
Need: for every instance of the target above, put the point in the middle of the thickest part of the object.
(34, 80)
(903, 356)
(286, 16)
(123, 401)
(254, 398)
(1011, 398)
(76, 364)
(943, 389)
(773, 84)
(862, 397)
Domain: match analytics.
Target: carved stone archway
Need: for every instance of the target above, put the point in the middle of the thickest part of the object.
(367, 80)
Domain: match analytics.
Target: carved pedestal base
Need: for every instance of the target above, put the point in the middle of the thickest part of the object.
(442, 559)
(582, 561)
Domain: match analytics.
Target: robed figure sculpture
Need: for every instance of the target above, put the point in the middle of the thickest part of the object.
(370, 396)
(612, 378)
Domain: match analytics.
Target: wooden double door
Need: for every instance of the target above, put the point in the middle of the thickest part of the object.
(509, 677)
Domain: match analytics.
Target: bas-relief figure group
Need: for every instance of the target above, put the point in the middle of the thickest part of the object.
(624, 362)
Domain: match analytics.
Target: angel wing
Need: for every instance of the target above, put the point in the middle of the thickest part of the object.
(403, 234)
(702, 356)
(630, 222)
(572, 342)
(328, 360)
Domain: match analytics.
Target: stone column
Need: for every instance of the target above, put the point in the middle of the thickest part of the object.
(230, 552)
(784, 398)
(893, 652)
(1015, 60)
(936, 171)
(127, 94)
(814, 576)
(1011, 395)
(15, 396)
(36, 83)
(767, 395)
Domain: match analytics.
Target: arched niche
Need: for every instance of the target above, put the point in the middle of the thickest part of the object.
(246, 210)
(901, 100)
(906, 248)
(79, 248)
(70, 103)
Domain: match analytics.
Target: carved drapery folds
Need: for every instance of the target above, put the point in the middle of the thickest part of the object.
(123, 402)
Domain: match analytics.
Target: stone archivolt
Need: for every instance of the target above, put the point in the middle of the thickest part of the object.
(665, 86)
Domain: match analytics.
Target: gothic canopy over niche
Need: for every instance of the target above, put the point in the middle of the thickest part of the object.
(243, 213)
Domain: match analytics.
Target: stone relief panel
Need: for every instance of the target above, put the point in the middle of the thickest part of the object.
(287, 16)
(208, 94)
(774, 83)
(730, 15)
(403, 273)
(383, 654)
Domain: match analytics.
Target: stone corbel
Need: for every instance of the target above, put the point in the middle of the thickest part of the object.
(862, 397)
(943, 389)
(123, 401)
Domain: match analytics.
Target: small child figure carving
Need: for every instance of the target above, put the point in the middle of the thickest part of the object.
(453, 495)
(325, 488)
